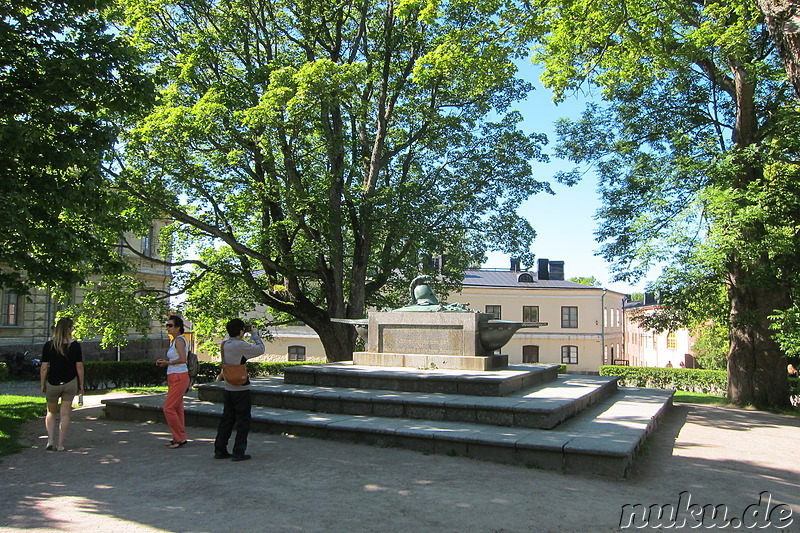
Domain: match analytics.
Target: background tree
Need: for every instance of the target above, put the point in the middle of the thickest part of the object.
(783, 21)
(315, 151)
(587, 280)
(696, 152)
(66, 84)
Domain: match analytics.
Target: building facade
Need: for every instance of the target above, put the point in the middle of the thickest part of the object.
(584, 324)
(646, 347)
(26, 322)
(584, 327)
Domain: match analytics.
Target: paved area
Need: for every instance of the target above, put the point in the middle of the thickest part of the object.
(118, 476)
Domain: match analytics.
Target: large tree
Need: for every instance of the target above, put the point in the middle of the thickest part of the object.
(66, 84)
(311, 153)
(783, 21)
(695, 147)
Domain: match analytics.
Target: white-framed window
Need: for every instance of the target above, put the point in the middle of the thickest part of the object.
(9, 313)
(569, 316)
(297, 353)
(494, 310)
(147, 243)
(569, 355)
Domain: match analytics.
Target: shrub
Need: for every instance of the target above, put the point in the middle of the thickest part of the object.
(110, 374)
(686, 379)
(3, 371)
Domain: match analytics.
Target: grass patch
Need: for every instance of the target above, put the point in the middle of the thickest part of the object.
(155, 389)
(15, 411)
(698, 397)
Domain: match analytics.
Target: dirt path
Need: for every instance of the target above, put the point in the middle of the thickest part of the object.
(118, 476)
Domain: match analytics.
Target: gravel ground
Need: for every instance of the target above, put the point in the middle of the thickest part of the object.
(118, 476)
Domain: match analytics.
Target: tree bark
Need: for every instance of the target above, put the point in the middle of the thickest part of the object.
(337, 340)
(756, 365)
(783, 21)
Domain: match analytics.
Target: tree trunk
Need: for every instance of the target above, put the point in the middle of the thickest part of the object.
(756, 365)
(783, 21)
(338, 341)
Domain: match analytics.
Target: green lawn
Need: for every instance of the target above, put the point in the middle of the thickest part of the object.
(697, 397)
(15, 411)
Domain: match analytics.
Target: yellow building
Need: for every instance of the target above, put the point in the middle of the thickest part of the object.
(26, 321)
(645, 347)
(584, 324)
(584, 327)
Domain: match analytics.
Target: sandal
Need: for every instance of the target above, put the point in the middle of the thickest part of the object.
(176, 444)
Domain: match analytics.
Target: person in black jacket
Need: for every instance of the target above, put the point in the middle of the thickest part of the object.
(61, 377)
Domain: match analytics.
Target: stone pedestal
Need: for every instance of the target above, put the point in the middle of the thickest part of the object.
(428, 340)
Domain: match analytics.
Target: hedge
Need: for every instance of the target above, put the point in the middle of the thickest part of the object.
(109, 374)
(3, 371)
(686, 379)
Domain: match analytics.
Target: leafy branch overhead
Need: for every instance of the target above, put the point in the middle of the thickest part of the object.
(328, 146)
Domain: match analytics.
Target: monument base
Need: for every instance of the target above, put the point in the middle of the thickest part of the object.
(449, 362)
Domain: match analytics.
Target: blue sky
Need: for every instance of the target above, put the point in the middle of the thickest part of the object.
(565, 222)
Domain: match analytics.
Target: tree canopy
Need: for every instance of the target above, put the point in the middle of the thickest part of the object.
(311, 153)
(695, 146)
(66, 84)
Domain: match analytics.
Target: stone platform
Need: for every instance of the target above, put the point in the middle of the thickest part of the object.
(475, 383)
(442, 361)
(568, 423)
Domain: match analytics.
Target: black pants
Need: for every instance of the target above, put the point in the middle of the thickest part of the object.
(235, 412)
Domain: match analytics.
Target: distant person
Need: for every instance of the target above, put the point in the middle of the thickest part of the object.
(669, 364)
(683, 365)
(177, 381)
(236, 410)
(791, 370)
(61, 377)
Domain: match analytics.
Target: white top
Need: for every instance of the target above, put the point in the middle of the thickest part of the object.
(172, 355)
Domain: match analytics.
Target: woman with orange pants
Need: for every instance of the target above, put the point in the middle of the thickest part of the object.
(177, 381)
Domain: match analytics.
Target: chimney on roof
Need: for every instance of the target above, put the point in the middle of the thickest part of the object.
(650, 299)
(516, 266)
(557, 270)
(544, 269)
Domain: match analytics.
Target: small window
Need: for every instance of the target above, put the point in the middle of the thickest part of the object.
(530, 353)
(494, 310)
(569, 317)
(672, 342)
(297, 353)
(9, 314)
(569, 355)
(525, 278)
(530, 313)
(147, 244)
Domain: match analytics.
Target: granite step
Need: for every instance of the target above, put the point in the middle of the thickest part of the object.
(543, 406)
(602, 440)
(434, 380)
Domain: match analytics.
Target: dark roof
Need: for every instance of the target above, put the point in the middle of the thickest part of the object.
(510, 278)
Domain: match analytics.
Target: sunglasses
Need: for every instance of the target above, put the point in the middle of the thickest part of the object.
(169, 325)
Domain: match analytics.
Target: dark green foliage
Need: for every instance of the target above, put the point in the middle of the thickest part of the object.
(3, 372)
(119, 374)
(66, 85)
(704, 381)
